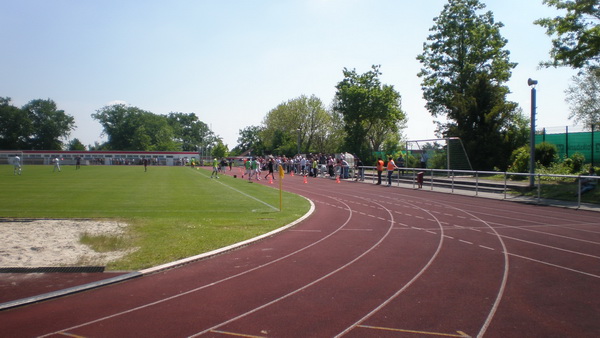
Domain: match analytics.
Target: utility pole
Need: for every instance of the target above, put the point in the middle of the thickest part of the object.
(298, 130)
(532, 84)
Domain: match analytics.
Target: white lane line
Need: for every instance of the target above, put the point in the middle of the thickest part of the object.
(243, 193)
(377, 244)
(357, 229)
(549, 246)
(406, 286)
(554, 265)
(160, 301)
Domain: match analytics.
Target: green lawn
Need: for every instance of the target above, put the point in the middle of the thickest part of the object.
(174, 212)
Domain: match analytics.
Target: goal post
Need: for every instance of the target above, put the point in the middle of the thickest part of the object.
(440, 153)
(9, 157)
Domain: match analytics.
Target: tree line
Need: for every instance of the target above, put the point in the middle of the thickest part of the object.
(465, 68)
(131, 128)
(40, 125)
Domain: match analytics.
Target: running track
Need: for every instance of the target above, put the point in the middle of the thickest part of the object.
(371, 261)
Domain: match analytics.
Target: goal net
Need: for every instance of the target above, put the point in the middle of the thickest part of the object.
(443, 153)
(12, 158)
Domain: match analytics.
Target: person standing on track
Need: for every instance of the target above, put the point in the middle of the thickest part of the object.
(256, 168)
(400, 163)
(215, 171)
(359, 169)
(330, 164)
(223, 165)
(379, 170)
(391, 166)
(248, 166)
(270, 166)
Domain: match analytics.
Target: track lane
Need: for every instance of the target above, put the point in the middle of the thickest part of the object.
(459, 281)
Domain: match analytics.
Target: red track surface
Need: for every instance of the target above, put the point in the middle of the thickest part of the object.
(371, 261)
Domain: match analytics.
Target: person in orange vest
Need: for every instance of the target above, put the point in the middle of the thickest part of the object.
(379, 170)
(391, 166)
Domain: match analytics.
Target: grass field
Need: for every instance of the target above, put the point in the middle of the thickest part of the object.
(173, 212)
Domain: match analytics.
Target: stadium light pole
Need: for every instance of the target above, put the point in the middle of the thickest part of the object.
(532, 84)
(298, 130)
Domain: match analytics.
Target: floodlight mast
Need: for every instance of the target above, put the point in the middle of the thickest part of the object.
(532, 84)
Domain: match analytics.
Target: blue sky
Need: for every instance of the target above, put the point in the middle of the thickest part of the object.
(231, 62)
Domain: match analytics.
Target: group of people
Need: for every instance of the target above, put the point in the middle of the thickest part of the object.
(312, 165)
(390, 166)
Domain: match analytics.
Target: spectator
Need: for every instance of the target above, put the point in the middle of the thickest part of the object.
(588, 184)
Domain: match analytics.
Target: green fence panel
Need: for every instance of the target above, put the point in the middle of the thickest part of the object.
(586, 143)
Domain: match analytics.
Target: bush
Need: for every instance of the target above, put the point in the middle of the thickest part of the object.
(520, 160)
(545, 153)
(439, 160)
(576, 162)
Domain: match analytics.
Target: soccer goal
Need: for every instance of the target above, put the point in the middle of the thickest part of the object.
(9, 156)
(441, 153)
(12, 158)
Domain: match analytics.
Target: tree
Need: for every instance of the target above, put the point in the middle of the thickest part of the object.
(250, 139)
(584, 98)
(314, 123)
(49, 125)
(158, 132)
(489, 126)
(464, 68)
(220, 150)
(576, 41)
(189, 131)
(75, 144)
(131, 128)
(15, 126)
(116, 121)
(301, 122)
(371, 111)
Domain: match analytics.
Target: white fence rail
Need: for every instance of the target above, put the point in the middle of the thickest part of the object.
(564, 189)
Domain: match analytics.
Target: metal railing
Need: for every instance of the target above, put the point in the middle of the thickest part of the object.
(547, 188)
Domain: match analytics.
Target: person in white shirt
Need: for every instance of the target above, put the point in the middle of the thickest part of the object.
(56, 164)
(17, 165)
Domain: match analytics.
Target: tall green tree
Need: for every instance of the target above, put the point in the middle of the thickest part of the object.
(301, 122)
(576, 34)
(250, 139)
(49, 125)
(189, 131)
(220, 150)
(131, 128)
(583, 97)
(75, 144)
(314, 123)
(15, 126)
(371, 111)
(464, 68)
(118, 125)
